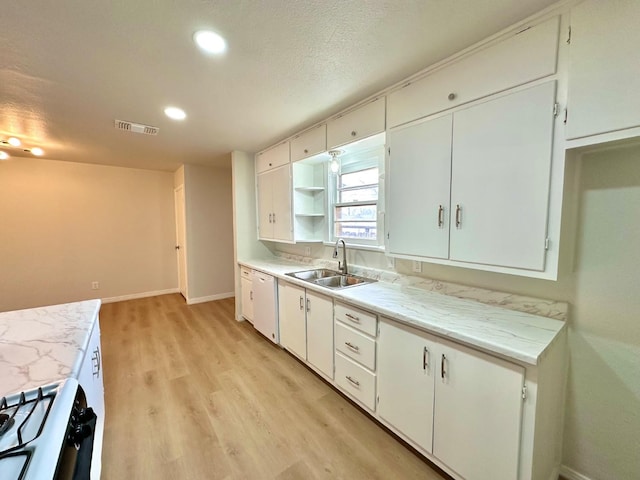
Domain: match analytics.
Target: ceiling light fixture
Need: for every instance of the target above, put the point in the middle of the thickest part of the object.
(334, 164)
(3, 155)
(210, 42)
(14, 142)
(175, 113)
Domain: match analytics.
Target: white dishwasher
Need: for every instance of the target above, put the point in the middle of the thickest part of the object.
(265, 305)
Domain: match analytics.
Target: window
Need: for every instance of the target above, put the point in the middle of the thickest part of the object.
(356, 190)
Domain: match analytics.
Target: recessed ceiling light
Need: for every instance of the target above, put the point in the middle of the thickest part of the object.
(175, 113)
(3, 155)
(14, 142)
(37, 151)
(210, 41)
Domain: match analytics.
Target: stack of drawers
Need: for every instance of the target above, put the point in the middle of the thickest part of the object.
(355, 342)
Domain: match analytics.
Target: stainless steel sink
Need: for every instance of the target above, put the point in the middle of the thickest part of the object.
(330, 278)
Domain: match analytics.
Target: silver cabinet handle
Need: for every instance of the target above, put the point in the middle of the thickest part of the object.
(308, 305)
(270, 219)
(452, 96)
(425, 358)
(442, 371)
(306, 150)
(352, 318)
(353, 133)
(354, 382)
(251, 295)
(301, 303)
(274, 218)
(353, 347)
(440, 216)
(96, 362)
(458, 216)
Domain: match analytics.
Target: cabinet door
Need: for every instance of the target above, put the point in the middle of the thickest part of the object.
(500, 179)
(360, 123)
(419, 188)
(320, 332)
(265, 203)
(309, 143)
(293, 328)
(603, 93)
(247, 298)
(91, 381)
(281, 207)
(272, 158)
(405, 381)
(477, 415)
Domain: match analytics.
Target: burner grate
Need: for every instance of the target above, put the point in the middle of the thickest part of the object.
(16, 463)
(20, 413)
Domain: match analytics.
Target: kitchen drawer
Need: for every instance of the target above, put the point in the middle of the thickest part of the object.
(354, 317)
(526, 56)
(356, 380)
(355, 345)
(245, 272)
(272, 158)
(309, 143)
(362, 122)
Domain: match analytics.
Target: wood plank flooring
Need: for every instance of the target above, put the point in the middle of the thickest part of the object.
(193, 394)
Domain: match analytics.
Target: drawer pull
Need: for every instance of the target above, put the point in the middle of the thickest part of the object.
(354, 382)
(352, 318)
(353, 347)
(425, 356)
(301, 302)
(443, 373)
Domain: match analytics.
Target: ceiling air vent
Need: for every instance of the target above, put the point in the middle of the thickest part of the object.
(135, 127)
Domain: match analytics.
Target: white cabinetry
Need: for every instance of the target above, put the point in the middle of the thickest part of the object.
(274, 205)
(604, 68)
(362, 122)
(496, 161)
(432, 390)
(527, 55)
(419, 175)
(355, 373)
(91, 381)
(500, 179)
(309, 143)
(272, 158)
(246, 288)
(306, 326)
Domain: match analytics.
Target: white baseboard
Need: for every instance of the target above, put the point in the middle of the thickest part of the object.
(210, 298)
(134, 296)
(571, 474)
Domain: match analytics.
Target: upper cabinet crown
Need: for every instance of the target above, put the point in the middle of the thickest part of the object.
(309, 143)
(604, 69)
(362, 122)
(272, 158)
(528, 55)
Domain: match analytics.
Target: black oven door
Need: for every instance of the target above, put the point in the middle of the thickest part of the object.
(75, 458)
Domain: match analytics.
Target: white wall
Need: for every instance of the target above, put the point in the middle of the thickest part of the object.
(602, 425)
(64, 225)
(209, 229)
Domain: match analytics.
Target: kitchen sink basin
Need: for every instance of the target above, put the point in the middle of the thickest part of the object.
(312, 275)
(330, 278)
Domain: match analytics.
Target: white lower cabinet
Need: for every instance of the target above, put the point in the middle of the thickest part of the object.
(246, 289)
(90, 379)
(461, 405)
(306, 326)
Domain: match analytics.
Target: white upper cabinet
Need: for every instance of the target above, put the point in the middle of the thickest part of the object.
(272, 158)
(274, 205)
(419, 173)
(526, 56)
(500, 179)
(362, 122)
(604, 68)
(309, 143)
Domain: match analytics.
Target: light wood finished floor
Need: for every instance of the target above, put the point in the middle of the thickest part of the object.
(193, 394)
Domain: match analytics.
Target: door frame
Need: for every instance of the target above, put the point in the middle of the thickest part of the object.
(178, 194)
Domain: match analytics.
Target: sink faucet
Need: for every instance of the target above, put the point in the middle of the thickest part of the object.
(342, 266)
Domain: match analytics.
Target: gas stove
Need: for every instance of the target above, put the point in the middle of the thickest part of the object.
(46, 433)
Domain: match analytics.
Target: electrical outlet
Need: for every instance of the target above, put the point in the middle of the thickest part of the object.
(95, 285)
(307, 251)
(416, 266)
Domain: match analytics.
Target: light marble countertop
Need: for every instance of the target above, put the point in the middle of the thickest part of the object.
(44, 345)
(513, 334)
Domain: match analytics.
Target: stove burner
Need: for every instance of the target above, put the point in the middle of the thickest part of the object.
(5, 422)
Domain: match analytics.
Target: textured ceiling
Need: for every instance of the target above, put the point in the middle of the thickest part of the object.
(68, 68)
